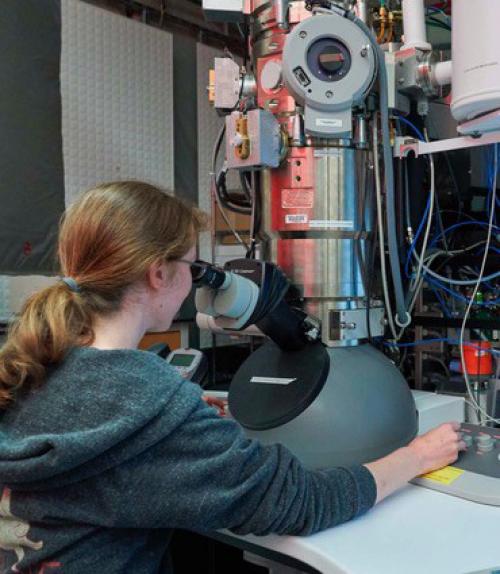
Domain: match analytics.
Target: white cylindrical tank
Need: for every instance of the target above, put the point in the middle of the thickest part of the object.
(476, 58)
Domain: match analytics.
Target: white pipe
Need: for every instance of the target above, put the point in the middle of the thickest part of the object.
(441, 73)
(415, 35)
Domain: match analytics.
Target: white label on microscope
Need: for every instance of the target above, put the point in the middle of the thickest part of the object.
(331, 224)
(329, 122)
(328, 152)
(296, 218)
(271, 381)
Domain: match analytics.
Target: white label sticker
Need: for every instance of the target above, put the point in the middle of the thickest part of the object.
(271, 380)
(329, 122)
(296, 218)
(328, 152)
(331, 223)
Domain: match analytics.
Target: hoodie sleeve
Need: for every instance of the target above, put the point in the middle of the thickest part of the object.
(207, 475)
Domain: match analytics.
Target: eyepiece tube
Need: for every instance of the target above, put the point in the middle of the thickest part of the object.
(207, 275)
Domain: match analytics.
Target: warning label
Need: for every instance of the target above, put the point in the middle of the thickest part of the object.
(293, 198)
(446, 475)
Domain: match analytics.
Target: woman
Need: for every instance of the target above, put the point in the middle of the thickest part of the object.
(103, 448)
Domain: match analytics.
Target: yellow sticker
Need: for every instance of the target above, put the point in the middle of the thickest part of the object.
(445, 475)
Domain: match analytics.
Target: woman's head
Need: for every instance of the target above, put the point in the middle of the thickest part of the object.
(113, 233)
(110, 240)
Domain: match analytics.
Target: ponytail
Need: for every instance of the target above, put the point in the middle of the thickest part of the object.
(52, 321)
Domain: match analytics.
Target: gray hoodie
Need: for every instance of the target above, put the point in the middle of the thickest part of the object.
(114, 450)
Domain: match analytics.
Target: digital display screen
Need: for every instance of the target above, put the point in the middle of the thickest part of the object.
(181, 360)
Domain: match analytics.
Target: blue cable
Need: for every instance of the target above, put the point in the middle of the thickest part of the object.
(415, 343)
(441, 301)
(428, 206)
(412, 126)
(434, 282)
(443, 340)
(457, 225)
(458, 296)
(491, 176)
(481, 251)
(415, 239)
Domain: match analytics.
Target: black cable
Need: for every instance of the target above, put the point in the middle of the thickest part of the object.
(224, 199)
(364, 279)
(368, 262)
(256, 216)
(371, 257)
(245, 184)
(245, 39)
(224, 194)
(229, 203)
(362, 228)
(454, 180)
(440, 222)
(440, 22)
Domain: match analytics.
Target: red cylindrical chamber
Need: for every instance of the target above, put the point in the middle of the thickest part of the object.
(478, 358)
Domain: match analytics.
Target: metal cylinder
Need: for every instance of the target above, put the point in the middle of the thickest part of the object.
(312, 222)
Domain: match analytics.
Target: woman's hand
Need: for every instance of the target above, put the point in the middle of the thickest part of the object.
(218, 404)
(438, 447)
(431, 451)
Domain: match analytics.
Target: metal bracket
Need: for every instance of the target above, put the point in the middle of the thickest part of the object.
(404, 145)
(350, 324)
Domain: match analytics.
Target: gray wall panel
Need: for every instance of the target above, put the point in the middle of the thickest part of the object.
(31, 160)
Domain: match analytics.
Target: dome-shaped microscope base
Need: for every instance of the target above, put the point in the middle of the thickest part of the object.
(329, 406)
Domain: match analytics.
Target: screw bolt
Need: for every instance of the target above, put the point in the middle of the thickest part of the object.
(303, 34)
(329, 94)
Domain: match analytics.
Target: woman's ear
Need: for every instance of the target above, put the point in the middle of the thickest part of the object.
(157, 275)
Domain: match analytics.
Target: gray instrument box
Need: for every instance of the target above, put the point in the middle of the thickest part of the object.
(264, 133)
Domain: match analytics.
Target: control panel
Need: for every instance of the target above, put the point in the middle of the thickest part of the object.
(476, 474)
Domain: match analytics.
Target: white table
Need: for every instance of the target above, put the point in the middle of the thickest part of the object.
(415, 531)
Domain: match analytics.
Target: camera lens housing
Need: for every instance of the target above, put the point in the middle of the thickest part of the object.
(329, 59)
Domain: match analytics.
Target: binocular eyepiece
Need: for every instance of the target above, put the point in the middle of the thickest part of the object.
(207, 275)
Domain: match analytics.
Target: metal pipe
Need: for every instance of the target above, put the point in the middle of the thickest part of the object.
(361, 132)
(281, 12)
(362, 6)
(298, 134)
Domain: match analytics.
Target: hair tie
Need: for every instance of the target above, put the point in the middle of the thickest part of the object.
(72, 284)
